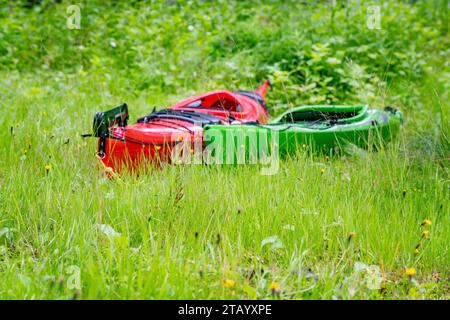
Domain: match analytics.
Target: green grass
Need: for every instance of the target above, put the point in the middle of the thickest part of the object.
(186, 229)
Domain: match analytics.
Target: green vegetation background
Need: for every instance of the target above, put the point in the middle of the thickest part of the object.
(185, 230)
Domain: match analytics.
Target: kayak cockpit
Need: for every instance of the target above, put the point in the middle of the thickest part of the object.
(314, 115)
(222, 101)
(240, 105)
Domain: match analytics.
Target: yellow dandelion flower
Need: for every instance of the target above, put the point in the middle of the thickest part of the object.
(180, 138)
(426, 222)
(274, 286)
(157, 148)
(410, 272)
(425, 234)
(322, 171)
(229, 283)
(416, 252)
(48, 167)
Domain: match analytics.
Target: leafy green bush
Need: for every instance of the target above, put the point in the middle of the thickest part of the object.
(312, 53)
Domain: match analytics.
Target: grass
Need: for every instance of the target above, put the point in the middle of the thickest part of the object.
(185, 230)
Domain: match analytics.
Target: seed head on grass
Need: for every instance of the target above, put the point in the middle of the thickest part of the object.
(76, 295)
(218, 239)
(351, 235)
(109, 172)
(228, 283)
(60, 281)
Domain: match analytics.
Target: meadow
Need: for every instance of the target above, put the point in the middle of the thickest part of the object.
(362, 225)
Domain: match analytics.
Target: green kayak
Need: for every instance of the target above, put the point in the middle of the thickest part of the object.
(321, 128)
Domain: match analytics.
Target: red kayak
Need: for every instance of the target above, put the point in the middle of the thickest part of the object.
(153, 137)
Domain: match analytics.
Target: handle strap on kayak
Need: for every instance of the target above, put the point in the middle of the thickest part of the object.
(103, 121)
